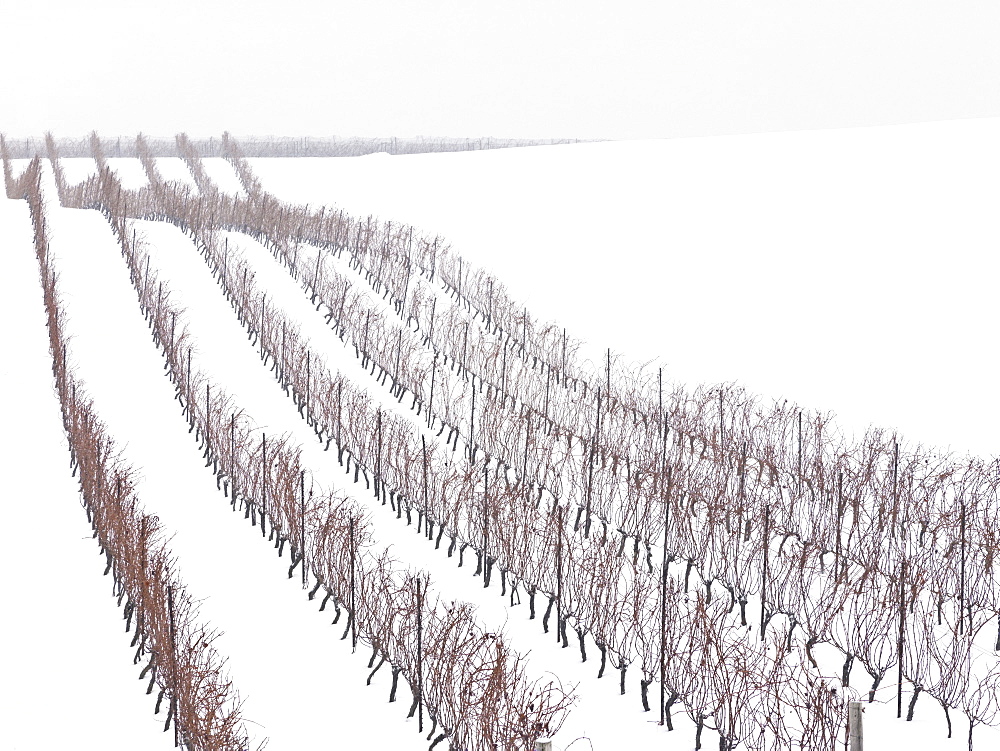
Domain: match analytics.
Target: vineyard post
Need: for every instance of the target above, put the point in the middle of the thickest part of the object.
(899, 641)
(140, 621)
(263, 484)
(354, 633)
(527, 439)
(800, 454)
(663, 599)
(302, 529)
(840, 513)
(281, 367)
(263, 323)
(232, 458)
(399, 353)
(558, 569)
(377, 480)
(463, 370)
(590, 463)
(340, 451)
(472, 424)
(486, 525)
(961, 585)
(420, 661)
(503, 374)
(763, 579)
(430, 403)
(609, 371)
(189, 401)
(895, 485)
(173, 661)
(854, 727)
(423, 447)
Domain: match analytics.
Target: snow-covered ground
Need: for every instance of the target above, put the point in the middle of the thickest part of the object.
(173, 169)
(848, 270)
(221, 173)
(129, 172)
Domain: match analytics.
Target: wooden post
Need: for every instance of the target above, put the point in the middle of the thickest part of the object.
(854, 731)
(472, 425)
(430, 402)
(901, 637)
(541, 745)
(302, 530)
(354, 632)
(486, 525)
(558, 569)
(590, 463)
(173, 662)
(423, 447)
(663, 602)
(420, 662)
(799, 486)
(377, 480)
(961, 584)
(609, 371)
(763, 578)
(263, 484)
(340, 383)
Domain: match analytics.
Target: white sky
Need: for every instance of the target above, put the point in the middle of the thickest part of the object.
(517, 68)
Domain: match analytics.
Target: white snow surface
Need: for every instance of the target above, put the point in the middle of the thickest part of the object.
(78, 169)
(847, 270)
(221, 172)
(174, 169)
(129, 172)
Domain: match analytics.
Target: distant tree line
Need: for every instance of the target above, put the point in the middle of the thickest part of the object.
(273, 146)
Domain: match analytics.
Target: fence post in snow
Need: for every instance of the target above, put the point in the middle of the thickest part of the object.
(854, 726)
(543, 745)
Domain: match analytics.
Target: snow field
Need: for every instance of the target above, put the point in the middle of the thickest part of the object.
(128, 171)
(173, 169)
(78, 169)
(222, 175)
(846, 270)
